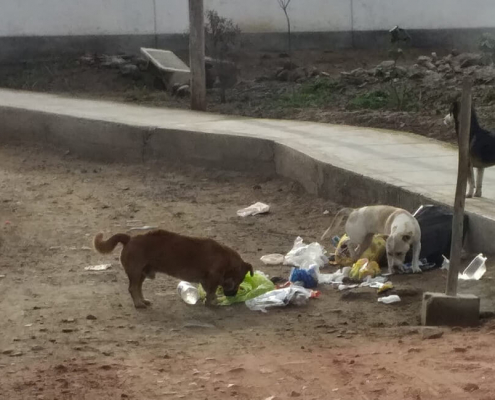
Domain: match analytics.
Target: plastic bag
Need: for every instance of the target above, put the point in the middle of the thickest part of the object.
(251, 287)
(293, 294)
(307, 277)
(304, 255)
(393, 298)
(373, 253)
(436, 233)
(337, 277)
(254, 209)
(363, 268)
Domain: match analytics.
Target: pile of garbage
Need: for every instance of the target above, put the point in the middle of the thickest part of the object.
(308, 260)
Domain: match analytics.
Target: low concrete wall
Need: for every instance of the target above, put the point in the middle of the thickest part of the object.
(116, 142)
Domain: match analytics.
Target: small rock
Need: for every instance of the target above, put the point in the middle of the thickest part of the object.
(106, 367)
(37, 348)
(113, 62)
(91, 317)
(2, 276)
(16, 354)
(386, 64)
(413, 350)
(183, 91)
(271, 398)
(68, 330)
(7, 352)
(61, 368)
(237, 370)
(68, 320)
(135, 342)
(470, 387)
(295, 394)
(460, 349)
(431, 333)
(467, 60)
(107, 353)
(130, 70)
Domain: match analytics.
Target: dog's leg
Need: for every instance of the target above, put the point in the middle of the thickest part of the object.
(416, 248)
(479, 181)
(135, 282)
(147, 302)
(470, 181)
(210, 287)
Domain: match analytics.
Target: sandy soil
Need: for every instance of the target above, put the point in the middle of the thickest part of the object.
(68, 333)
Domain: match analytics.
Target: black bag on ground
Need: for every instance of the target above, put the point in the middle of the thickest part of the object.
(436, 233)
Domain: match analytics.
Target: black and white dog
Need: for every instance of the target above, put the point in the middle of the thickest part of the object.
(481, 148)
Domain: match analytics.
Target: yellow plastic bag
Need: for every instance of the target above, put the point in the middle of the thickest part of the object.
(363, 268)
(373, 253)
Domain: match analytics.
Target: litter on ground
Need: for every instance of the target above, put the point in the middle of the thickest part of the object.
(254, 209)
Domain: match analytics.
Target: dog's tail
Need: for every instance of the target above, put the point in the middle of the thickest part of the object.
(344, 212)
(107, 246)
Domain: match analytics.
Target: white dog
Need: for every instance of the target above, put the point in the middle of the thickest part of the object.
(401, 228)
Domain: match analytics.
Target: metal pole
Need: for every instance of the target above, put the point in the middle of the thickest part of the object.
(460, 193)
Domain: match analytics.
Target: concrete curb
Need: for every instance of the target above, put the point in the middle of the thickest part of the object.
(118, 142)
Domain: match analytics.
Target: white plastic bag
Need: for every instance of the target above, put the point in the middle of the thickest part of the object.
(304, 255)
(254, 209)
(393, 298)
(272, 259)
(336, 278)
(293, 294)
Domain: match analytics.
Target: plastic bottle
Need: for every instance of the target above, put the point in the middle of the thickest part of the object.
(476, 269)
(188, 292)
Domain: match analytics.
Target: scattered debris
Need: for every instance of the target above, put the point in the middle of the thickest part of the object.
(393, 298)
(475, 270)
(272, 259)
(254, 209)
(100, 267)
(142, 228)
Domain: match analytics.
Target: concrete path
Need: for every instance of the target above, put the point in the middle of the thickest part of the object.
(409, 161)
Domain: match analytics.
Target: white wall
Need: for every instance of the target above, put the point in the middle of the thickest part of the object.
(110, 17)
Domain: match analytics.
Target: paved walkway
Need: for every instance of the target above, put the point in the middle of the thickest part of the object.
(419, 164)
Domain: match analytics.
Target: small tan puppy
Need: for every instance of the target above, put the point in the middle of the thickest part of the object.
(400, 227)
(191, 259)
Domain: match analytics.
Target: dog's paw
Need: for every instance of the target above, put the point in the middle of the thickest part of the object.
(469, 195)
(140, 305)
(477, 194)
(417, 270)
(147, 302)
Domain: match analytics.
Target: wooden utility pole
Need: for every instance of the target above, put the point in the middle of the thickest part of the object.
(460, 193)
(197, 55)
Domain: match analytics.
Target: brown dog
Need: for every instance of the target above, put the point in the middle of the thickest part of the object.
(191, 259)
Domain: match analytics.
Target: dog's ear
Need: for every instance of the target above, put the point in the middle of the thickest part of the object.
(249, 268)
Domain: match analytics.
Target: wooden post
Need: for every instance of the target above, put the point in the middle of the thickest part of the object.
(197, 55)
(460, 193)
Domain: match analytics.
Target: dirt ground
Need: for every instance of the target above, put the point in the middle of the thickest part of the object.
(68, 333)
(328, 98)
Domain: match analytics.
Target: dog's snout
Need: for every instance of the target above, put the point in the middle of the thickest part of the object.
(230, 293)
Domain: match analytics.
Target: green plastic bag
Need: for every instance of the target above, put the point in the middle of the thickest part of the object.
(251, 287)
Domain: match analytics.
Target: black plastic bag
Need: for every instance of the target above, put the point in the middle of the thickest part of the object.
(436, 233)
